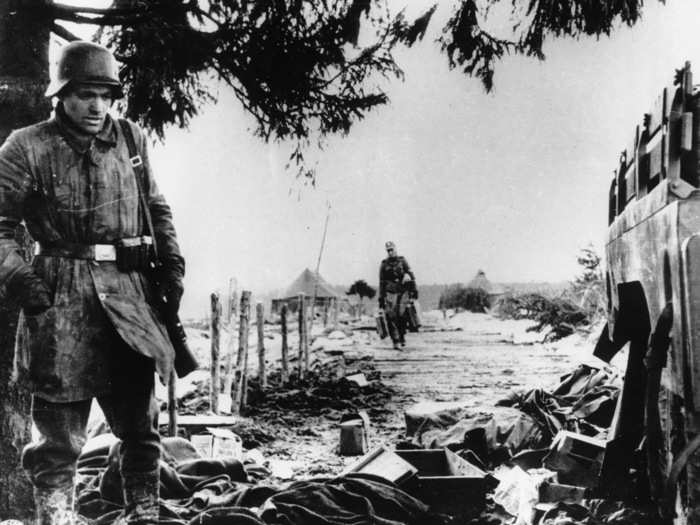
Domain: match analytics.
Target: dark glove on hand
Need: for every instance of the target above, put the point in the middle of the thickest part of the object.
(414, 294)
(382, 303)
(170, 292)
(30, 290)
(169, 274)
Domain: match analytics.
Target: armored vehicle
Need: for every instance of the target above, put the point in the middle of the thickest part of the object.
(653, 298)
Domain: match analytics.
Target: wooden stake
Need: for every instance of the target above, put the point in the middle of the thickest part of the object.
(172, 405)
(336, 312)
(215, 340)
(241, 362)
(308, 326)
(230, 352)
(260, 319)
(244, 394)
(230, 357)
(285, 348)
(302, 333)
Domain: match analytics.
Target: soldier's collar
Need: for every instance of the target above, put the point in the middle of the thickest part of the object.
(79, 141)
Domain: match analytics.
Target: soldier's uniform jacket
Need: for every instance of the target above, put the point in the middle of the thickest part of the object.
(75, 192)
(391, 274)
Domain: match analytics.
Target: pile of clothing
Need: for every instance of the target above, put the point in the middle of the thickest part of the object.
(522, 426)
(200, 491)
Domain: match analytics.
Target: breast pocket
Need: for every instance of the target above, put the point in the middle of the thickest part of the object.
(63, 197)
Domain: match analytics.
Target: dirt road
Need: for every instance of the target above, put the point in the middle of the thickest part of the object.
(471, 359)
(475, 359)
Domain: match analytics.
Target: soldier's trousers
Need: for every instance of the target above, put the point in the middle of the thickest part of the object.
(131, 412)
(395, 310)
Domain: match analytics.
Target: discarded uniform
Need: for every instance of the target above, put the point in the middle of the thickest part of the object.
(90, 326)
(397, 288)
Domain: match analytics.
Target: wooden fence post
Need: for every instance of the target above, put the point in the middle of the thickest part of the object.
(302, 332)
(326, 307)
(336, 312)
(260, 319)
(242, 358)
(308, 326)
(285, 348)
(215, 340)
(172, 405)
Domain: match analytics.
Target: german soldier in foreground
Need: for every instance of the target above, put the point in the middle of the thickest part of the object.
(89, 327)
(397, 286)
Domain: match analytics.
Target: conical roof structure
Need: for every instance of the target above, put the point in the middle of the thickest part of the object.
(482, 282)
(310, 283)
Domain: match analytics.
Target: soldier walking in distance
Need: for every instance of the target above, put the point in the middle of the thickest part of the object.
(397, 286)
(91, 324)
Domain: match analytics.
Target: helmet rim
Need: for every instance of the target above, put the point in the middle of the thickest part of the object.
(88, 63)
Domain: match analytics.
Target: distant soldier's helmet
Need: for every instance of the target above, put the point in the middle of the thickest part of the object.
(86, 63)
(389, 245)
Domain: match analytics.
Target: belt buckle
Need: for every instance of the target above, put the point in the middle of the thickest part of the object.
(105, 252)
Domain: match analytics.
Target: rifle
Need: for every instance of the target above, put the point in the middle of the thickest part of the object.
(185, 361)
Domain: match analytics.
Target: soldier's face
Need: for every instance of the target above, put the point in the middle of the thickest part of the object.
(87, 105)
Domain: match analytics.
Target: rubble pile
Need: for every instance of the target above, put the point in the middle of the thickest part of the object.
(545, 450)
(329, 388)
(320, 394)
(524, 423)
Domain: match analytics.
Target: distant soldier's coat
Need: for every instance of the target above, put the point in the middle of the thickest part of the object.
(394, 292)
(87, 194)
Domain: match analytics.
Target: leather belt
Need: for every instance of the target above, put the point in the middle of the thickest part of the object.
(93, 252)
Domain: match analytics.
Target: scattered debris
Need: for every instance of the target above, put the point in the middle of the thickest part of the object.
(578, 459)
(448, 483)
(359, 379)
(386, 464)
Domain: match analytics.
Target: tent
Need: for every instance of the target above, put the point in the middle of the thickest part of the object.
(481, 281)
(310, 284)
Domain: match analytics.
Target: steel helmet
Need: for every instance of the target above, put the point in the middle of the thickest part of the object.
(87, 63)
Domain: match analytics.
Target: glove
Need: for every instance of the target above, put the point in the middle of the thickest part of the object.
(414, 294)
(169, 292)
(168, 278)
(382, 303)
(30, 290)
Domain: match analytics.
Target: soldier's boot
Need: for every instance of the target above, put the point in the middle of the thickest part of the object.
(141, 498)
(54, 506)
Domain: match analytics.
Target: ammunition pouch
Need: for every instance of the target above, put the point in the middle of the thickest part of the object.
(135, 254)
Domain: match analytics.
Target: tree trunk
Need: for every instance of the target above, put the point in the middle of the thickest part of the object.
(24, 44)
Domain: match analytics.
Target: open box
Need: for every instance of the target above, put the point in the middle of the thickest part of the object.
(449, 484)
(438, 477)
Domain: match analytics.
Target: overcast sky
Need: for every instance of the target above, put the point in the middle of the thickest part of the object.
(514, 182)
